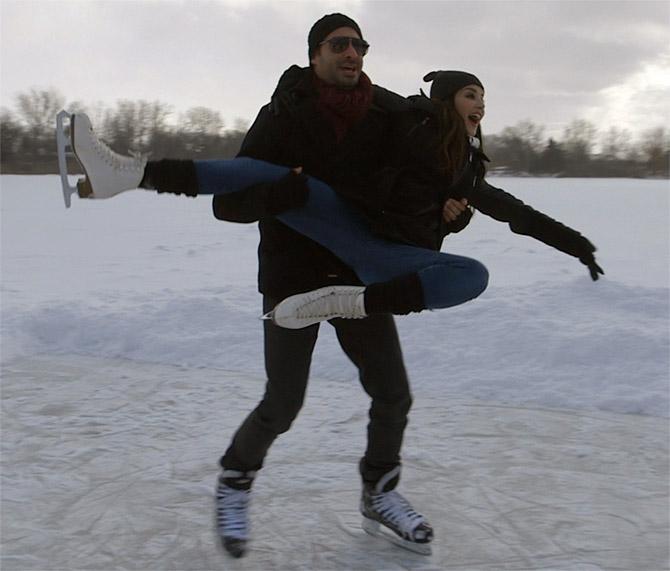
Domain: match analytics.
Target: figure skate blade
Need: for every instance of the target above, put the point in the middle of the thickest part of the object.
(65, 149)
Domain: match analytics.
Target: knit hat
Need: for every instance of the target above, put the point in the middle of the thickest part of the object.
(325, 26)
(447, 83)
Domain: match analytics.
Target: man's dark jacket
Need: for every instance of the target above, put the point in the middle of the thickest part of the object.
(290, 131)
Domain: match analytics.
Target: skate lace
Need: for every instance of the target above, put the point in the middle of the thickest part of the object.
(115, 160)
(396, 510)
(232, 506)
(341, 304)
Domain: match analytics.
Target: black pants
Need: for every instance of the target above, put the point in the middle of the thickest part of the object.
(372, 345)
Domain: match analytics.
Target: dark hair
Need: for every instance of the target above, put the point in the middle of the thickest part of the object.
(453, 138)
(453, 147)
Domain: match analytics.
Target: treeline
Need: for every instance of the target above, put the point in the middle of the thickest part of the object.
(28, 140)
(524, 150)
(28, 145)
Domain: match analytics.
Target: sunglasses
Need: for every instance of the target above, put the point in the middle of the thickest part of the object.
(340, 43)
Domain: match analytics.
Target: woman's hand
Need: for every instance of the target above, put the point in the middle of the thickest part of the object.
(453, 209)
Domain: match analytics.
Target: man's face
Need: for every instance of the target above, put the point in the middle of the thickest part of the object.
(341, 69)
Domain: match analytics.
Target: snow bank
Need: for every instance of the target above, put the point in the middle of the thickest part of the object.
(158, 279)
(131, 351)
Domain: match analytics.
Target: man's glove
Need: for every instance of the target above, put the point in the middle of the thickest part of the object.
(290, 191)
(262, 200)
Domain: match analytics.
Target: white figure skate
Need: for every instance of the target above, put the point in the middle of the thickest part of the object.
(305, 309)
(106, 173)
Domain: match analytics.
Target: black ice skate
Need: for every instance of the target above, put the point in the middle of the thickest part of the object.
(391, 516)
(232, 506)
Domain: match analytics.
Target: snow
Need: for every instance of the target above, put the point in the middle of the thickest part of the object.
(131, 351)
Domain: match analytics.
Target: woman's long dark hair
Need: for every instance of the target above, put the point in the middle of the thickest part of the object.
(453, 147)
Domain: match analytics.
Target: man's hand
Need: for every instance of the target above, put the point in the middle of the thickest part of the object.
(453, 209)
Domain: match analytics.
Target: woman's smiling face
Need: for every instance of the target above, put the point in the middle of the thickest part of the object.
(469, 103)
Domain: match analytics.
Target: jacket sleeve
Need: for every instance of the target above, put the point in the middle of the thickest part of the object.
(264, 199)
(523, 219)
(457, 225)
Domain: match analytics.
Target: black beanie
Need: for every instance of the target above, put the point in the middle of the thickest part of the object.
(447, 83)
(325, 26)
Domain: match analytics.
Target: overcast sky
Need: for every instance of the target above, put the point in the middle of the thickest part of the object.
(548, 61)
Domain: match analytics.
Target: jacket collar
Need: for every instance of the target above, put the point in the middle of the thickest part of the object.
(297, 82)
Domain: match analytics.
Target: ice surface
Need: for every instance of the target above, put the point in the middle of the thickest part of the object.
(131, 351)
(110, 464)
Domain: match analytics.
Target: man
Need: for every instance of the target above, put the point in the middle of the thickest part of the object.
(331, 121)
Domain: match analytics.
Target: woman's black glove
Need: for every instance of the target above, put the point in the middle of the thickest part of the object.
(572, 242)
(563, 238)
(566, 239)
(525, 220)
(589, 261)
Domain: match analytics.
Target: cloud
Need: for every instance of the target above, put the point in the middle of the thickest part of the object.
(640, 102)
(550, 61)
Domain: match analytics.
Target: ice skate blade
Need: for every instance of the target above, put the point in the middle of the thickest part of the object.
(234, 547)
(376, 529)
(64, 148)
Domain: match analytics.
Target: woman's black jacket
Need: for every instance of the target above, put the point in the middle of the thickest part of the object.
(412, 192)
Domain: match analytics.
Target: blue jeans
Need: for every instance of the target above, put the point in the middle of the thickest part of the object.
(446, 279)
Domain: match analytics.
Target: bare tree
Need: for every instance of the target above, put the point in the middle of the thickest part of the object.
(656, 151)
(518, 147)
(154, 116)
(134, 124)
(531, 133)
(201, 120)
(616, 143)
(200, 127)
(38, 109)
(552, 159)
(27, 139)
(11, 139)
(240, 125)
(579, 137)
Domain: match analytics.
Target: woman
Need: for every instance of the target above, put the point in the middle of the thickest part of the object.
(438, 158)
(393, 242)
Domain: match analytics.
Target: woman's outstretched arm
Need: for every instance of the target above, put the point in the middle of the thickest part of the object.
(523, 219)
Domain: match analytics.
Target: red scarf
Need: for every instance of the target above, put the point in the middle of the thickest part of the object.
(344, 107)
